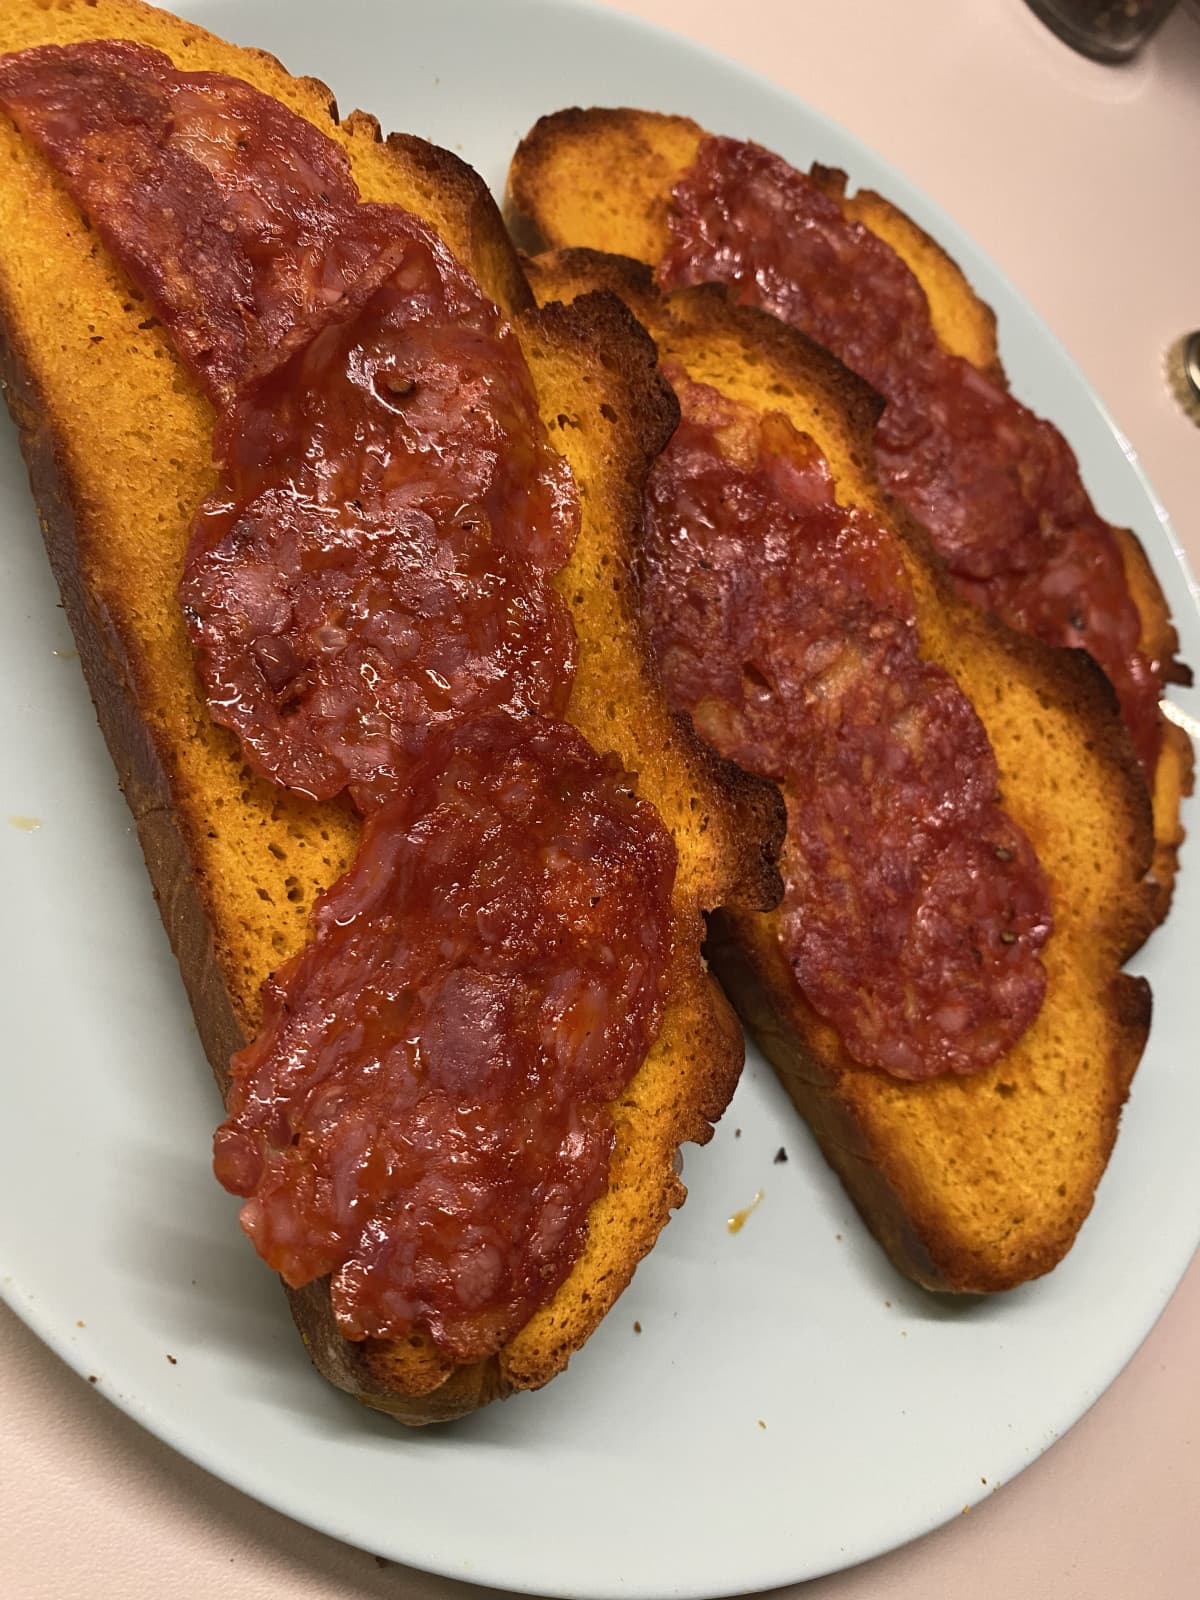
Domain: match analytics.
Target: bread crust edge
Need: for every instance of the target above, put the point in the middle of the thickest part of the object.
(435, 1389)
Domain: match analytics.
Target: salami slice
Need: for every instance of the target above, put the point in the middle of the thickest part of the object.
(425, 1112)
(998, 488)
(914, 907)
(376, 558)
(236, 217)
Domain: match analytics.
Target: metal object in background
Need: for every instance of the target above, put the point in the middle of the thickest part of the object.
(1183, 371)
(1106, 30)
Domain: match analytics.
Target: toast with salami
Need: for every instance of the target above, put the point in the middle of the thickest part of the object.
(998, 488)
(120, 353)
(940, 989)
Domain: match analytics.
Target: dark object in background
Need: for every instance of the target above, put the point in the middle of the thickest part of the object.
(1183, 373)
(1106, 30)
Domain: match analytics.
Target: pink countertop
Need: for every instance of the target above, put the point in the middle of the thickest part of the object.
(1079, 181)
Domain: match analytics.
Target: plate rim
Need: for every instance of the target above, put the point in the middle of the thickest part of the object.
(943, 226)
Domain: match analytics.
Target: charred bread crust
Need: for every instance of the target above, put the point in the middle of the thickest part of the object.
(904, 1216)
(744, 814)
(453, 195)
(602, 178)
(1174, 775)
(236, 863)
(599, 178)
(981, 1183)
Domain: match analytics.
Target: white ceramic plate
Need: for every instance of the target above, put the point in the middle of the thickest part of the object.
(791, 1406)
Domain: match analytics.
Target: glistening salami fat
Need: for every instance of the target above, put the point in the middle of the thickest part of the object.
(998, 488)
(376, 558)
(425, 1112)
(914, 907)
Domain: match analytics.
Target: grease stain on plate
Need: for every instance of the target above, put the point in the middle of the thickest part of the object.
(738, 1220)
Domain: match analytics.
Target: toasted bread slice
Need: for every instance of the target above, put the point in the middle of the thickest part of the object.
(118, 441)
(970, 1183)
(602, 179)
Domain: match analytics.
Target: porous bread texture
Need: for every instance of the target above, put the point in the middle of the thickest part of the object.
(971, 1184)
(117, 437)
(602, 179)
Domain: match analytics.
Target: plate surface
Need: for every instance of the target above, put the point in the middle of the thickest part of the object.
(791, 1406)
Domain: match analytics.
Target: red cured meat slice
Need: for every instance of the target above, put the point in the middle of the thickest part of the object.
(998, 488)
(236, 217)
(914, 907)
(375, 560)
(425, 1112)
